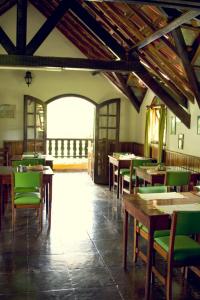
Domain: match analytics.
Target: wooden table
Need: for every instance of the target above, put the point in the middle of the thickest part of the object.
(153, 176)
(146, 213)
(5, 180)
(48, 158)
(119, 163)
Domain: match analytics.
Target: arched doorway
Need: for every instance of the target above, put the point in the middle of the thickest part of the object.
(107, 120)
(70, 131)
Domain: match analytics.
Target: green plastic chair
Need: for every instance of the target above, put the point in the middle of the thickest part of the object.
(175, 178)
(179, 249)
(130, 178)
(27, 182)
(140, 229)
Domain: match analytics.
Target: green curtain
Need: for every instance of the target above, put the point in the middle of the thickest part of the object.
(147, 133)
(161, 130)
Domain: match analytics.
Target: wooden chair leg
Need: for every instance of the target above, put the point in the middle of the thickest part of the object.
(169, 283)
(135, 242)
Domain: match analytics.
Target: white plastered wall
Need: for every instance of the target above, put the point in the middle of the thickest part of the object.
(48, 84)
(191, 138)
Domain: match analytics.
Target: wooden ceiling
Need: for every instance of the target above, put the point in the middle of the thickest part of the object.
(136, 44)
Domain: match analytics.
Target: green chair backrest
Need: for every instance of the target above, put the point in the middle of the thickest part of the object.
(152, 189)
(177, 178)
(139, 162)
(187, 222)
(27, 179)
(28, 162)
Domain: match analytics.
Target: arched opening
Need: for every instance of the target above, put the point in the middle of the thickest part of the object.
(70, 126)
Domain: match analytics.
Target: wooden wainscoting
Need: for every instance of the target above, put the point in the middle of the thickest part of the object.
(190, 162)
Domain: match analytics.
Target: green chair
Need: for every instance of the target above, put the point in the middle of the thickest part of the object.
(27, 182)
(140, 229)
(177, 180)
(179, 249)
(28, 162)
(129, 178)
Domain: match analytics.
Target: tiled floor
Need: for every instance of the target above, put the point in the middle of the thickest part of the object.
(81, 256)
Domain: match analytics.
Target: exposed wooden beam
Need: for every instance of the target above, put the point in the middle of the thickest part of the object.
(128, 91)
(181, 113)
(181, 47)
(177, 95)
(47, 27)
(166, 29)
(6, 43)
(142, 73)
(180, 4)
(97, 30)
(195, 50)
(144, 17)
(67, 63)
(21, 26)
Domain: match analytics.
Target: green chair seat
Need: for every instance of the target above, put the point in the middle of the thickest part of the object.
(122, 172)
(26, 189)
(152, 189)
(127, 178)
(157, 233)
(185, 248)
(27, 199)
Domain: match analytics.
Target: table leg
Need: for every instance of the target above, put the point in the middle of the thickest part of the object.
(50, 199)
(125, 239)
(47, 198)
(149, 264)
(110, 176)
(118, 182)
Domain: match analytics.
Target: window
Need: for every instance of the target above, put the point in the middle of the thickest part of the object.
(154, 127)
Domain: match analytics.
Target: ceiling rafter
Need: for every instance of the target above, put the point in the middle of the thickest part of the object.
(68, 63)
(109, 10)
(163, 39)
(6, 42)
(166, 29)
(180, 4)
(128, 91)
(21, 26)
(142, 73)
(195, 50)
(181, 47)
(177, 95)
(47, 27)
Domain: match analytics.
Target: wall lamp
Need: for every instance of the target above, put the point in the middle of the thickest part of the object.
(28, 78)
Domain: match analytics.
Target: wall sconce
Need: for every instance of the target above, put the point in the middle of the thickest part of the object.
(28, 78)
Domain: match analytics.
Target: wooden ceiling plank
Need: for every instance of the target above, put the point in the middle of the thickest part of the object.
(179, 4)
(110, 11)
(165, 69)
(164, 96)
(97, 30)
(21, 26)
(47, 27)
(181, 47)
(128, 91)
(6, 43)
(164, 40)
(68, 63)
(166, 29)
(177, 94)
(142, 73)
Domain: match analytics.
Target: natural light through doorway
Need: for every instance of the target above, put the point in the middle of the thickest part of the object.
(70, 118)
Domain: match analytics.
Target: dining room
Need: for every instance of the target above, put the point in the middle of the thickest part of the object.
(126, 225)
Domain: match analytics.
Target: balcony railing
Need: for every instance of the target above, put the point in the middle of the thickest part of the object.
(68, 148)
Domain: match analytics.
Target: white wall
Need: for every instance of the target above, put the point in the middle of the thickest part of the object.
(48, 84)
(191, 139)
